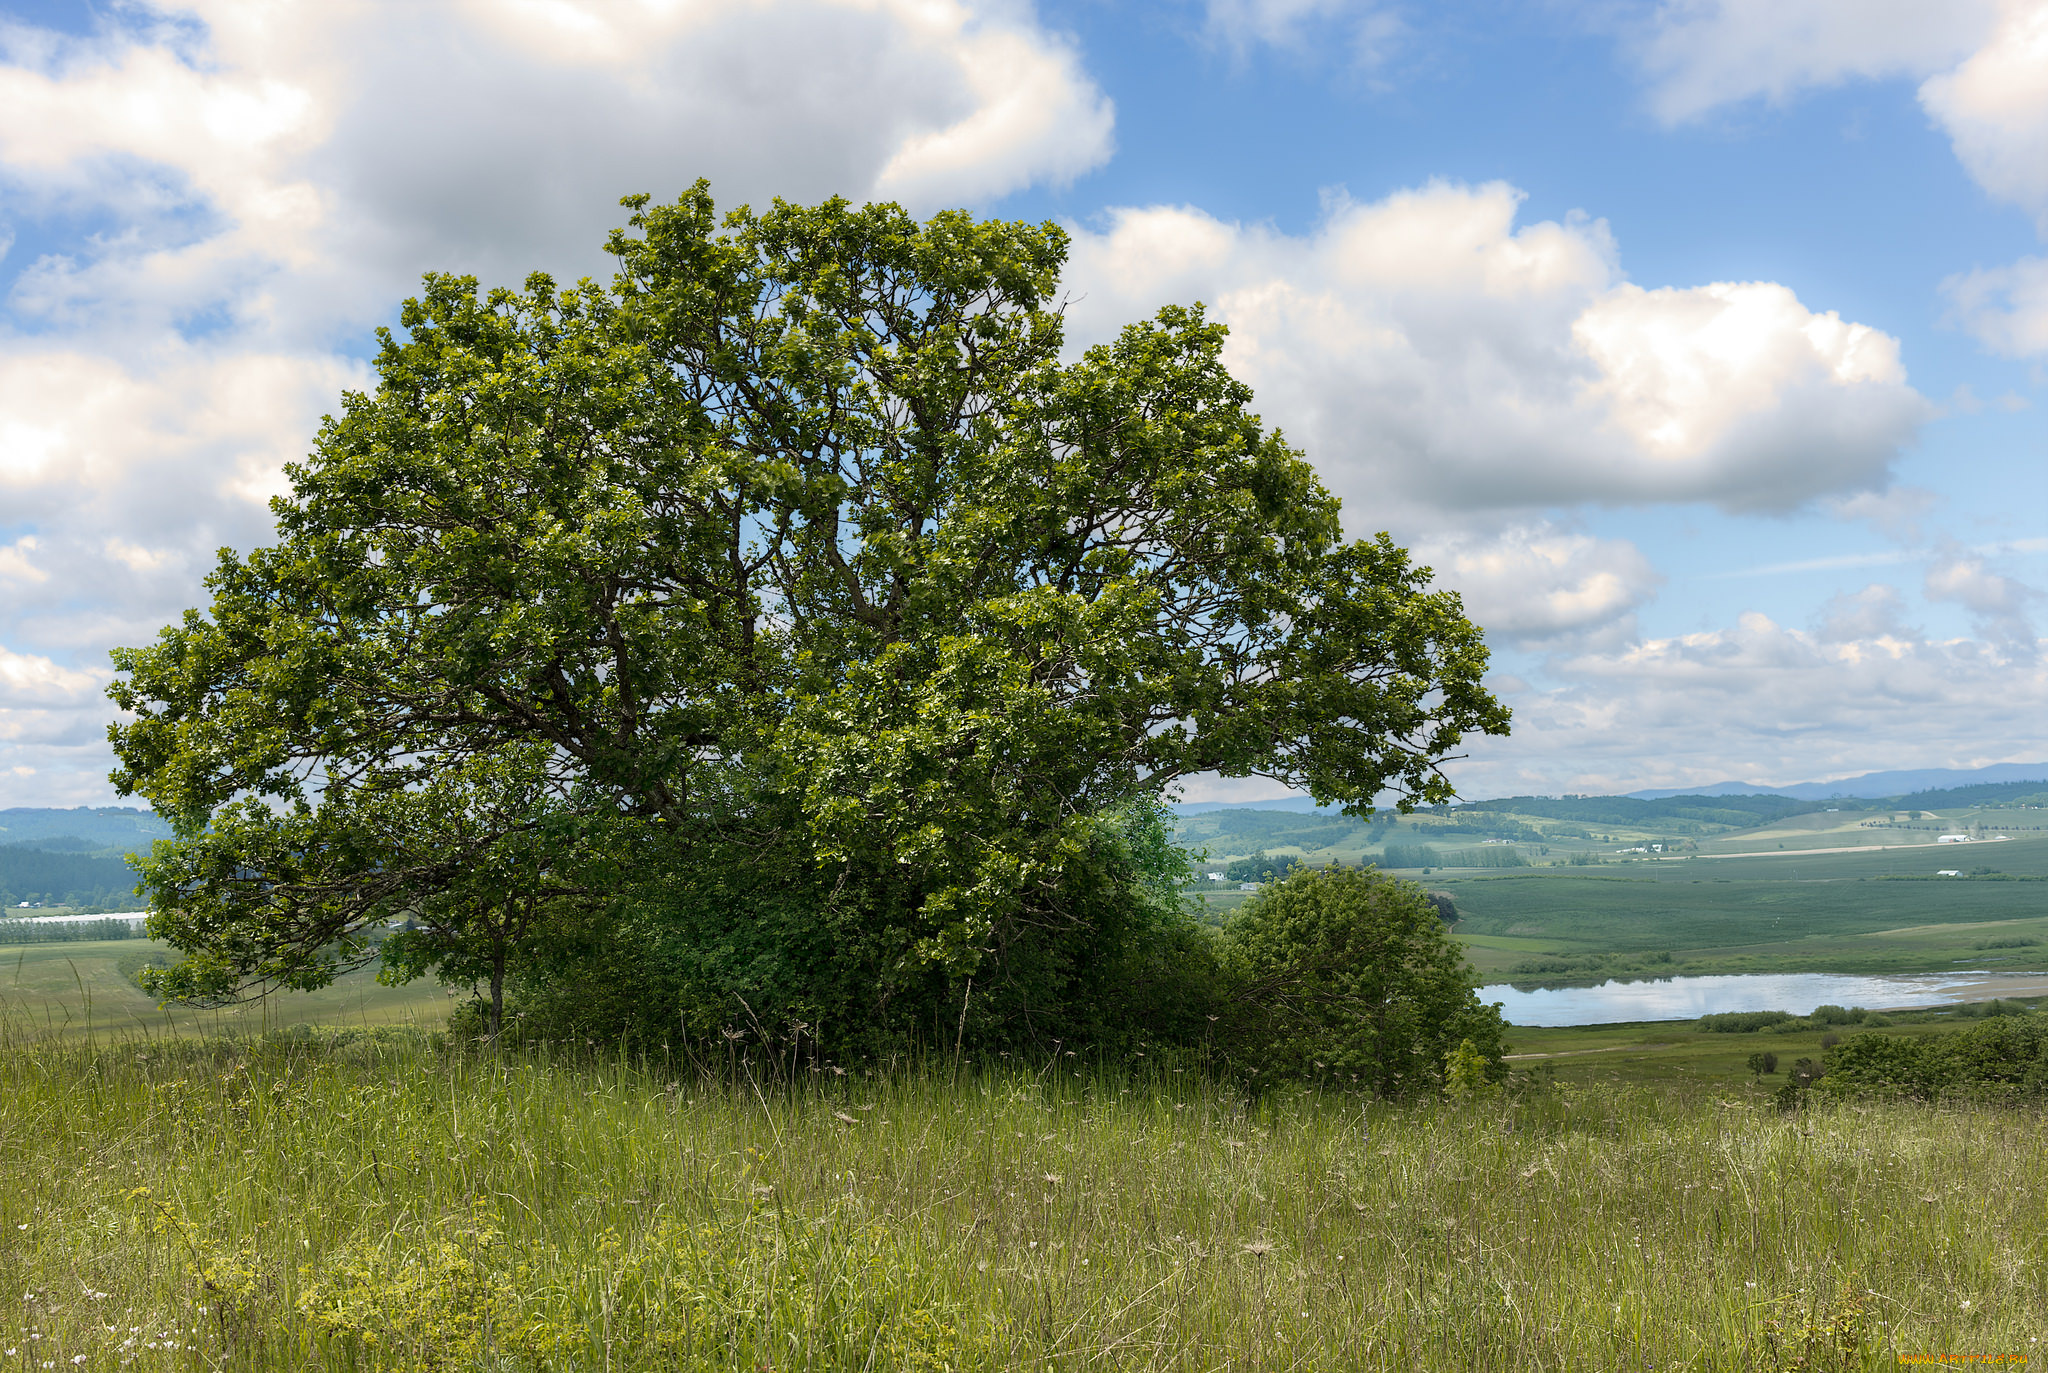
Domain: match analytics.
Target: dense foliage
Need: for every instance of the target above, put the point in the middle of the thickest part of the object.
(1261, 867)
(1346, 976)
(789, 627)
(2004, 1055)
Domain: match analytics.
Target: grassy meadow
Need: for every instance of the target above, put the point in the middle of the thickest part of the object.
(78, 989)
(324, 1181)
(380, 1199)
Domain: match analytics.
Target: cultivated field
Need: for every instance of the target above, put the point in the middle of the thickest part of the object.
(1839, 912)
(1850, 892)
(378, 1200)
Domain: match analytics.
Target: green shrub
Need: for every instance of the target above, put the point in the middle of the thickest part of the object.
(2007, 1055)
(1742, 1022)
(1491, 856)
(1837, 1015)
(1595, 965)
(1981, 1010)
(1347, 975)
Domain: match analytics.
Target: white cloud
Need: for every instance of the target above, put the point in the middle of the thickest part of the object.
(17, 564)
(1998, 603)
(2005, 307)
(1877, 612)
(1702, 54)
(28, 679)
(293, 169)
(1433, 357)
(1365, 31)
(1995, 108)
(1896, 512)
(1983, 69)
(1764, 703)
(1535, 584)
(189, 439)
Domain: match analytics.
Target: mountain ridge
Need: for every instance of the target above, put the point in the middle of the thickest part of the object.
(1869, 786)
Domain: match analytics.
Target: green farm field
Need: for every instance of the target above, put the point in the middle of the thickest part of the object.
(1869, 912)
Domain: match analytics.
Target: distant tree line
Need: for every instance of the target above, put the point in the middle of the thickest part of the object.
(1423, 856)
(1261, 867)
(89, 880)
(68, 931)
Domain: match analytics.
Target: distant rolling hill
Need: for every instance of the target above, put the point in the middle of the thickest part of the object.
(103, 827)
(1580, 830)
(1871, 786)
(75, 858)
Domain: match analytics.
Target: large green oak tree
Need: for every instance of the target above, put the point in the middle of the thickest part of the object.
(796, 611)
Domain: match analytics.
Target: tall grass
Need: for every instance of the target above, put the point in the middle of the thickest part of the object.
(386, 1200)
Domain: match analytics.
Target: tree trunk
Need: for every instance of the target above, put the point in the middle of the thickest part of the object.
(497, 990)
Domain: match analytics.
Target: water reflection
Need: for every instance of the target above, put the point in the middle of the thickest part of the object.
(1687, 998)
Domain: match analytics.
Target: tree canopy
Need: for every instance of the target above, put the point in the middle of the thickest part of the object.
(798, 589)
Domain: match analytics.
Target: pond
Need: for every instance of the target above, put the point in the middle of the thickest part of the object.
(1687, 998)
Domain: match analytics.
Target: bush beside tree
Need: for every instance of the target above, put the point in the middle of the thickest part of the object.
(2004, 1055)
(1348, 976)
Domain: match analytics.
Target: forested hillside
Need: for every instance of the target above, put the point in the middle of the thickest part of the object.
(111, 827)
(54, 878)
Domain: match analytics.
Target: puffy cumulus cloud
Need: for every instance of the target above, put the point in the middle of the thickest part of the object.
(1701, 54)
(1877, 612)
(1537, 584)
(1738, 386)
(53, 722)
(17, 562)
(1764, 703)
(340, 149)
(31, 680)
(1431, 354)
(1897, 511)
(186, 445)
(1995, 108)
(130, 477)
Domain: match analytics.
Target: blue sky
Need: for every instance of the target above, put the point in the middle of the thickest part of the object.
(1703, 344)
